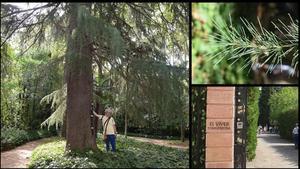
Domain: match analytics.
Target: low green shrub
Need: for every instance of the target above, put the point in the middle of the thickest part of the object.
(286, 122)
(12, 137)
(130, 154)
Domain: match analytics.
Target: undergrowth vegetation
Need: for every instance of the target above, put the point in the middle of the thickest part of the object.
(12, 137)
(130, 154)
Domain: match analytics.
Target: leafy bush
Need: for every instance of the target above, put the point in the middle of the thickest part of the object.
(284, 100)
(252, 119)
(12, 137)
(284, 109)
(286, 123)
(130, 154)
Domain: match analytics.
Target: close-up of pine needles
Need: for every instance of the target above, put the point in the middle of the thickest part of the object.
(235, 44)
(240, 43)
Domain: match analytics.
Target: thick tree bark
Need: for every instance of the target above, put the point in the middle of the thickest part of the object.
(79, 89)
(126, 124)
(99, 105)
(126, 109)
(64, 127)
(99, 110)
(182, 128)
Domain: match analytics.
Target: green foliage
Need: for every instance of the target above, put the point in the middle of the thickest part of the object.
(282, 101)
(206, 69)
(12, 137)
(252, 120)
(198, 126)
(155, 61)
(58, 99)
(7, 54)
(262, 45)
(101, 33)
(130, 154)
(149, 106)
(286, 122)
(284, 109)
(29, 78)
(10, 88)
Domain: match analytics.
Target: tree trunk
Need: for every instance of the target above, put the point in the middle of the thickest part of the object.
(99, 105)
(64, 126)
(99, 110)
(79, 88)
(126, 124)
(182, 128)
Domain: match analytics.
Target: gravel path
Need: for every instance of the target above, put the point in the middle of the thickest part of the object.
(274, 152)
(19, 156)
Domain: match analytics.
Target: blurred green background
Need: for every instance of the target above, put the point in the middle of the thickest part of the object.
(203, 70)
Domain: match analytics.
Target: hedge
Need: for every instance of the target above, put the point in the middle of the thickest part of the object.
(284, 109)
(283, 100)
(252, 120)
(286, 122)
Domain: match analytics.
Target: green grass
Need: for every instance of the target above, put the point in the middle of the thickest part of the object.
(130, 154)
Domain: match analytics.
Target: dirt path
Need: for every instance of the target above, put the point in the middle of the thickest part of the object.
(19, 156)
(167, 143)
(273, 152)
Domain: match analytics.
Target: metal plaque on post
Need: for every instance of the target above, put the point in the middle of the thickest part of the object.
(240, 127)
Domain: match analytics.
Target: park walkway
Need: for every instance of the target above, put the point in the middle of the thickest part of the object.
(274, 152)
(19, 156)
(168, 143)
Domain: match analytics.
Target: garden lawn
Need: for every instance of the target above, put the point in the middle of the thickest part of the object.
(130, 154)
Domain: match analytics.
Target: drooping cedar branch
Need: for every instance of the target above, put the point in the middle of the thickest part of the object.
(41, 28)
(26, 10)
(15, 24)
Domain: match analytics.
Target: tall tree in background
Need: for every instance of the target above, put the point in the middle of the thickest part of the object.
(264, 107)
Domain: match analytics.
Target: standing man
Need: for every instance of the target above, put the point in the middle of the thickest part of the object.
(296, 135)
(109, 129)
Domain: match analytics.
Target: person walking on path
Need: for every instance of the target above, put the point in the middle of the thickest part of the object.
(296, 135)
(259, 129)
(109, 129)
